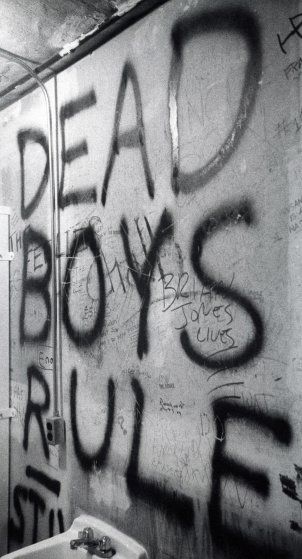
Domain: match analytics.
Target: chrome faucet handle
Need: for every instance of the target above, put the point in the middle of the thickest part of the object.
(86, 534)
(105, 544)
(85, 537)
(99, 547)
(103, 548)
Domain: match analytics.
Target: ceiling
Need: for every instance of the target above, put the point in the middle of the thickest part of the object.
(47, 34)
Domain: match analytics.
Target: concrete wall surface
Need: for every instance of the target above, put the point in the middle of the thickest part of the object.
(180, 168)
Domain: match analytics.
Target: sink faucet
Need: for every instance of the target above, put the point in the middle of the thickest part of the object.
(100, 547)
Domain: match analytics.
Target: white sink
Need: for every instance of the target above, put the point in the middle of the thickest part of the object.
(58, 547)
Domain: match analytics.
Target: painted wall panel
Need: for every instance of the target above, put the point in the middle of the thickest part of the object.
(179, 148)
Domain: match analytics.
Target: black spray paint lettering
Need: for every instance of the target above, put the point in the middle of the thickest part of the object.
(35, 285)
(26, 137)
(51, 522)
(221, 218)
(53, 485)
(289, 488)
(69, 155)
(86, 238)
(295, 31)
(175, 505)
(38, 507)
(171, 503)
(17, 531)
(143, 243)
(95, 460)
(133, 138)
(223, 465)
(233, 20)
(142, 278)
(36, 409)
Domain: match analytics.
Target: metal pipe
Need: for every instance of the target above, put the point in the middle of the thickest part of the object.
(55, 241)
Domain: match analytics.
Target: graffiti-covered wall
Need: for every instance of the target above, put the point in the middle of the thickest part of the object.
(180, 232)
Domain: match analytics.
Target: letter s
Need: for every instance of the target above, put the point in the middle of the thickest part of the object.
(225, 216)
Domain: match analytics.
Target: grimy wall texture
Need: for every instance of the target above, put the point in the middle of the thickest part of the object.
(181, 216)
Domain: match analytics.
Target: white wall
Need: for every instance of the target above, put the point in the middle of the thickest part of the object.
(182, 393)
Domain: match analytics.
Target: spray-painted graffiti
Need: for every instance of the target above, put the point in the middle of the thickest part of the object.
(142, 279)
(231, 20)
(25, 137)
(97, 281)
(223, 465)
(86, 238)
(78, 150)
(98, 459)
(224, 217)
(36, 409)
(24, 494)
(35, 283)
(135, 138)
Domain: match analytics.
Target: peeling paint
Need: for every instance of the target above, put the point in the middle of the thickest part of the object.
(124, 7)
(69, 47)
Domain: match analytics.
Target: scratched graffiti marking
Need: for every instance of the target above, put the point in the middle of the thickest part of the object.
(296, 23)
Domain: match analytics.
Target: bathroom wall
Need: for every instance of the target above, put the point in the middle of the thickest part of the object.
(180, 216)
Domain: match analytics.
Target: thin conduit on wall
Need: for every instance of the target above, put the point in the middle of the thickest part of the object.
(55, 240)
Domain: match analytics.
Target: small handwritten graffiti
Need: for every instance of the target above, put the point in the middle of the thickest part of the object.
(289, 127)
(121, 422)
(171, 407)
(296, 23)
(293, 70)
